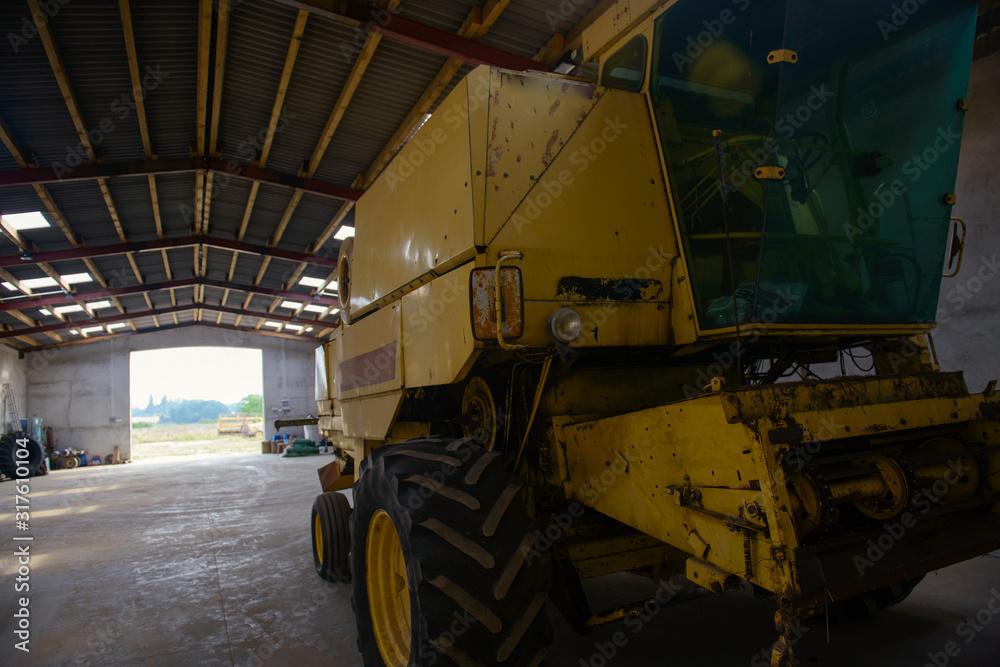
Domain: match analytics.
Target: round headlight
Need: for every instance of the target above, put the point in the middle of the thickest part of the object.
(565, 325)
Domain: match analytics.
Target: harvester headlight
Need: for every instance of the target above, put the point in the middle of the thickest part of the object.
(565, 325)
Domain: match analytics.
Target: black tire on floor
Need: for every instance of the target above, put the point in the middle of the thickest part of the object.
(331, 536)
(870, 603)
(476, 589)
(10, 462)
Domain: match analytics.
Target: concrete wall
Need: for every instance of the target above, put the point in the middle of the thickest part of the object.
(12, 371)
(81, 390)
(969, 309)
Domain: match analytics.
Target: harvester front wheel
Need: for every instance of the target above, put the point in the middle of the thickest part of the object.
(331, 536)
(444, 566)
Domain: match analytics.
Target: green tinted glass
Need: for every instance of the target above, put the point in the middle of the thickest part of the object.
(863, 128)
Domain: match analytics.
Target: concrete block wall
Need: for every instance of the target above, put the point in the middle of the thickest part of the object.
(968, 334)
(79, 390)
(12, 370)
(83, 391)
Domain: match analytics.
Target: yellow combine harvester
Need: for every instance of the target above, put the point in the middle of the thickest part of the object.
(583, 327)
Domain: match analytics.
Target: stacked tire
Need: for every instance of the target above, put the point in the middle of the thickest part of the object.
(20, 455)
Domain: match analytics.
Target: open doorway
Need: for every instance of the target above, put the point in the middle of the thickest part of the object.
(196, 401)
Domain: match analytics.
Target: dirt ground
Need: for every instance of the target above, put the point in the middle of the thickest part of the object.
(188, 440)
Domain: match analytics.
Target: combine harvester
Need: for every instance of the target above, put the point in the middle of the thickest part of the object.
(582, 336)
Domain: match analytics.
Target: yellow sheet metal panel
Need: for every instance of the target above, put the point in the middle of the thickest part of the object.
(477, 114)
(368, 376)
(371, 417)
(331, 353)
(606, 325)
(647, 468)
(437, 330)
(370, 355)
(600, 210)
(596, 229)
(418, 214)
(531, 120)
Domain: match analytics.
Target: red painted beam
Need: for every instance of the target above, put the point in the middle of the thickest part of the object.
(59, 173)
(111, 319)
(223, 168)
(168, 327)
(418, 34)
(62, 299)
(182, 242)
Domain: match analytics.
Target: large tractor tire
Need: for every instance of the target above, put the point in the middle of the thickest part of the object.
(444, 572)
(10, 462)
(331, 536)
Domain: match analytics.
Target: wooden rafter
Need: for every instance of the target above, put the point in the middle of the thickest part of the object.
(221, 43)
(133, 68)
(286, 75)
(471, 29)
(55, 61)
(279, 102)
(477, 24)
(347, 92)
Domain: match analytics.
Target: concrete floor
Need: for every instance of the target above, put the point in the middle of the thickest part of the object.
(204, 561)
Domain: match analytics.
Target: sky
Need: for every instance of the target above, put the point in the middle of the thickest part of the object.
(209, 373)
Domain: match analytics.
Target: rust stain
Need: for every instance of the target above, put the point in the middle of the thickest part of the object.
(555, 107)
(547, 156)
(494, 159)
(484, 319)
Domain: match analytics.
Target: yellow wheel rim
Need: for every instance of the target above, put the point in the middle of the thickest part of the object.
(318, 537)
(388, 591)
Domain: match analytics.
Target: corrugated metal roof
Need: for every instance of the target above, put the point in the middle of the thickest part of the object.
(91, 42)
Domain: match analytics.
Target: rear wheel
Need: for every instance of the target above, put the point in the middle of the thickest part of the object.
(331, 536)
(446, 574)
(872, 602)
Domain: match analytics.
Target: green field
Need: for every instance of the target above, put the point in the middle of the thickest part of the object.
(188, 440)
